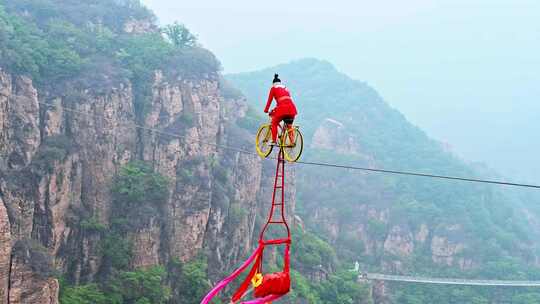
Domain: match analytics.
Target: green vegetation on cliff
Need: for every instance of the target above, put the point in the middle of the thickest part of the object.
(128, 287)
(96, 44)
(138, 184)
(318, 277)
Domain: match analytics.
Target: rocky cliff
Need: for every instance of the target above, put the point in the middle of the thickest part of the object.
(5, 253)
(93, 94)
(59, 157)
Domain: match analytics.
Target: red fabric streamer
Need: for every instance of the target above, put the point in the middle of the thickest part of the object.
(245, 285)
(274, 283)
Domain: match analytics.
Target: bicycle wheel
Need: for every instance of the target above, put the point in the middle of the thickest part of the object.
(263, 140)
(293, 144)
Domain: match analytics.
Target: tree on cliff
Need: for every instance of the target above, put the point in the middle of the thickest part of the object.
(179, 35)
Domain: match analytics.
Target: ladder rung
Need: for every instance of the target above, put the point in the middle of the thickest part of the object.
(276, 222)
(279, 187)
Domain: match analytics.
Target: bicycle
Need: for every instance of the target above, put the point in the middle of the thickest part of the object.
(290, 140)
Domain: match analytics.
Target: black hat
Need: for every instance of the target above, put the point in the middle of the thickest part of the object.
(276, 78)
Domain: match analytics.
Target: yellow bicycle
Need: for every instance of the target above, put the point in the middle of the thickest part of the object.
(290, 140)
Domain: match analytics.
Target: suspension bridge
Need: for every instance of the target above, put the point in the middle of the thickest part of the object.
(445, 281)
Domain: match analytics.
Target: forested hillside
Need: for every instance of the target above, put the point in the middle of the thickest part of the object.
(396, 224)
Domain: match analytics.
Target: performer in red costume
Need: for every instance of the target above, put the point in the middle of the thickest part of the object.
(285, 109)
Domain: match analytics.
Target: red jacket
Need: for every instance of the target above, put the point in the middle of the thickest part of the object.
(285, 104)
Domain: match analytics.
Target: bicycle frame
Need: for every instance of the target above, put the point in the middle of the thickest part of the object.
(281, 132)
(289, 136)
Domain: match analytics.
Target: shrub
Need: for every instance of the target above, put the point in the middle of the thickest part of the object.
(27, 50)
(47, 155)
(179, 35)
(138, 286)
(93, 225)
(376, 228)
(220, 173)
(141, 286)
(342, 288)
(312, 251)
(302, 289)
(83, 294)
(138, 184)
(117, 250)
(51, 150)
(194, 281)
(141, 55)
(187, 175)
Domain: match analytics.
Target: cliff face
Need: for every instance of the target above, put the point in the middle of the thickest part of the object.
(30, 274)
(5, 253)
(332, 135)
(58, 164)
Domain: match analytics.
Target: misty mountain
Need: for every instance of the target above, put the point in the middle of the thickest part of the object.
(397, 224)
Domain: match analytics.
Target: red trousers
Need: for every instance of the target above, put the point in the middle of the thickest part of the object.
(277, 117)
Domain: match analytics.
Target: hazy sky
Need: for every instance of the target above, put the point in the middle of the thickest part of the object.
(466, 71)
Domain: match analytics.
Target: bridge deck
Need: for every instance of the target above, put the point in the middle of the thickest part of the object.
(412, 279)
